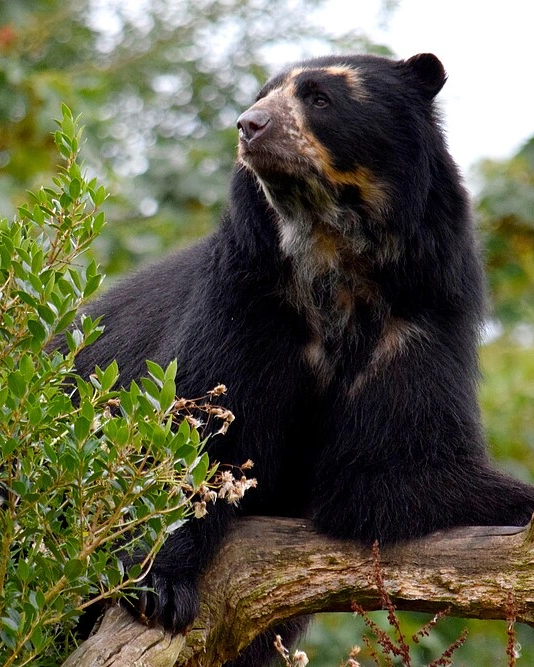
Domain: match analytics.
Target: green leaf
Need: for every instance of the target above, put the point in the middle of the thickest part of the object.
(74, 171)
(150, 388)
(200, 470)
(34, 600)
(187, 452)
(66, 202)
(23, 570)
(158, 435)
(185, 431)
(8, 446)
(82, 427)
(28, 299)
(74, 339)
(62, 145)
(94, 335)
(65, 321)
(67, 125)
(122, 436)
(38, 638)
(37, 262)
(47, 314)
(38, 214)
(100, 196)
(35, 282)
(50, 452)
(75, 188)
(70, 463)
(167, 394)
(37, 330)
(87, 410)
(73, 568)
(10, 623)
(156, 371)
(87, 324)
(40, 599)
(98, 222)
(17, 383)
(26, 367)
(92, 285)
(109, 377)
(65, 111)
(170, 371)
(127, 404)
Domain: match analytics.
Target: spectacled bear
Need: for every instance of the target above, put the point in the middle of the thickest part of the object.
(340, 300)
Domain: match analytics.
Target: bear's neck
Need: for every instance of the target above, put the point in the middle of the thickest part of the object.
(329, 265)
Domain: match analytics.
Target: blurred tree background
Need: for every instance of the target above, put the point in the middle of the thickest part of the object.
(160, 84)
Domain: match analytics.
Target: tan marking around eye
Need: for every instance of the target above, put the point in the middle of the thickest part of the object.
(352, 77)
(350, 74)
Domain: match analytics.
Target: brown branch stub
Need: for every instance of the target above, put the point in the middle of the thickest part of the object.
(272, 569)
(123, 642)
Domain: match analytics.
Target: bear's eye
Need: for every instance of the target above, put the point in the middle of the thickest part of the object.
(320, 101)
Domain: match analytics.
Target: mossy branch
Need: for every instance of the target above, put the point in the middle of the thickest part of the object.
(273, 569)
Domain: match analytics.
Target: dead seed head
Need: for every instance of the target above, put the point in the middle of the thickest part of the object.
(218, 390)
(199, 509)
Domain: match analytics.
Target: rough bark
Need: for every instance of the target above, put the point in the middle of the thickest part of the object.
(272, 569)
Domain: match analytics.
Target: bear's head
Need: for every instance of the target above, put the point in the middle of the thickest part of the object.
(336, 137)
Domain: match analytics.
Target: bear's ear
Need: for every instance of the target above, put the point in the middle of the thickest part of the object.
(428, 72)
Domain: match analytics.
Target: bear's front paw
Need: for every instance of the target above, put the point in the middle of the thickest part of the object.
(172, 603)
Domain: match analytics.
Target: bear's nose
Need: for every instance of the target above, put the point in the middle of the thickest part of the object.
(252, 124)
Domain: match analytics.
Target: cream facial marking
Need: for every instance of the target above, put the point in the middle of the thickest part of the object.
(351, 75)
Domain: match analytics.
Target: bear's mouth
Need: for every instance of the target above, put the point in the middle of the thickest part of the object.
(265, 159)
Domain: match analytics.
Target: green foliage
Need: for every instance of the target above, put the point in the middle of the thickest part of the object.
(507, 400)
(86, 469)
(506, 208)
(330, 635)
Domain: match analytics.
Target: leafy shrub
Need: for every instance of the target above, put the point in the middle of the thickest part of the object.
(86, 470)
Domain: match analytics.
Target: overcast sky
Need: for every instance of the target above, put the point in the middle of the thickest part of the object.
(487, 48)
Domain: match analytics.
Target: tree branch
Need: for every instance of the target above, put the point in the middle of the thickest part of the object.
(273, 569)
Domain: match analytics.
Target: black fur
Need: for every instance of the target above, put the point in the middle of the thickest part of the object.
(340, 301)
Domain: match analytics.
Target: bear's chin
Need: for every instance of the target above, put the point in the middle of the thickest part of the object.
(276, 166)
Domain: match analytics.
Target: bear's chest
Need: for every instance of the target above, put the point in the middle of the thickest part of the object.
(329, 281)
(343, 320)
